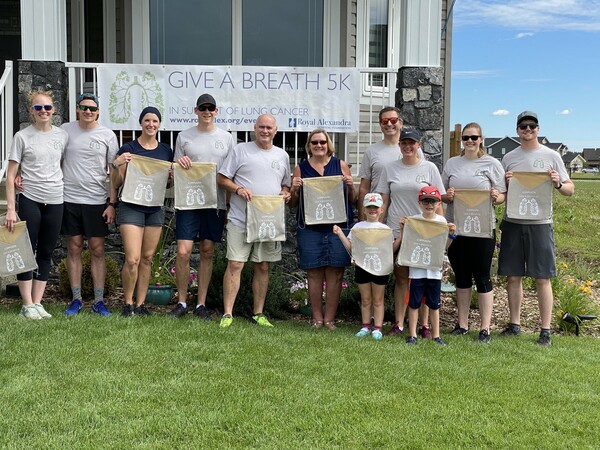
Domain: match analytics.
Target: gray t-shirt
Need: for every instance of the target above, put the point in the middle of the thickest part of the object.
(376, 157)
(542, 159)
(39, 155)
(464, 173)
(85, 164)
(264, 172)
(403, 183)
(206, 146)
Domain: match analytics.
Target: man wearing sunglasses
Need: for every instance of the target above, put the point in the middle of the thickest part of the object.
(379, 154)
(88, 157)
(527, 246)
(203, 142)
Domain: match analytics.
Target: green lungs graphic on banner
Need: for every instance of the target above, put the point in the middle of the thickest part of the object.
(323, 200)
(529, 196)
(16, 254)
(423, 244)
(265, 219)
(372, 250)
(145, 181)
(473, 212)
(196, 187)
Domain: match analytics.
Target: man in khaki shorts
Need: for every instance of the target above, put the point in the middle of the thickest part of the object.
(252, 168)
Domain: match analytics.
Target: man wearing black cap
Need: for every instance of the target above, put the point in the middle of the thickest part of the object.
(201, 143)
(527, 247)
(91, 149)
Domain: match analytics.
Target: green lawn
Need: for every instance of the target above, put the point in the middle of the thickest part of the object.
(89, 382)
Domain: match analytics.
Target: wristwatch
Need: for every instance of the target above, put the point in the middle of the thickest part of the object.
(113, 204)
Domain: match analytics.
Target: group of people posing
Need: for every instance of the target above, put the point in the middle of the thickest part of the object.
(60, 174)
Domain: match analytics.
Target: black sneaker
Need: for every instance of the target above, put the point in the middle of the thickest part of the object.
(545, 338)
(511, 330)
(484, 337)
(141, 310)
(411, 340)
(127, 310)
(201, 312)
(458, 331)
(439, 341)
(179, 310)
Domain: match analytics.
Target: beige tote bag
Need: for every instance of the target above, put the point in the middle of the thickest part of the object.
(265, 219)
(145, 181)
(423, 243)
(473, 213)
(16, 254)
(529, 196)
(372, 250)
(196, 187)
(323, 200)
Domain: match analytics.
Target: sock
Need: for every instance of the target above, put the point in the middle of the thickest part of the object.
(377, 328)
(366, 325)
(547, 329)
(98, 294)
(184, 304)
(76, 291)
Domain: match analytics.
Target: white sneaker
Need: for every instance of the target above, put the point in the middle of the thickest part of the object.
(41, 311)
(30, 312)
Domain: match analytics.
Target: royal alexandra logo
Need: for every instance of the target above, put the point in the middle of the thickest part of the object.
(125, 89)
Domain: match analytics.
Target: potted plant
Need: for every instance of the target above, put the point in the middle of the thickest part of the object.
(162, 275)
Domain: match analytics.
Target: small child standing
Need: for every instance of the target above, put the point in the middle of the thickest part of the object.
(426, 282)
(370, 286)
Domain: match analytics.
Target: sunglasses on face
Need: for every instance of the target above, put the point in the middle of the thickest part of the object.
(203, 108)
(318, 142)
(45, 107)
(392, 120)
(429, 201)
(473, 138)
(86, 107)
(531, 126)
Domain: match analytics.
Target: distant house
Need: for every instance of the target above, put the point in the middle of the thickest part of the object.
(498, 147)
(592, 156)
(573, 161)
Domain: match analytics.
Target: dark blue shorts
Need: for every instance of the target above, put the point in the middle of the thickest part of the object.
(527, 250)
(321, 249)
(200, 224)
(424, 287)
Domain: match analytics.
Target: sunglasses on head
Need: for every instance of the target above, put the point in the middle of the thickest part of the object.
(393, 120)
(86, 107)
(531, 126)
(473, 138)
(318, 142)
(203, 108)
(45, 107)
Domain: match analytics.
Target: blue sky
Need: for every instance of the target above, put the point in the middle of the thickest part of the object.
(537, 55)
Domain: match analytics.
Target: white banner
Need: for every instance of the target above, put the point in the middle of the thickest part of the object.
(300, 98)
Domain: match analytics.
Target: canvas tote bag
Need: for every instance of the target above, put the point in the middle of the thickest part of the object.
(323, 200)
(16, 254)
(265, 219)
(145, 181)
(196, 187)
(473, 213)
(529, 196)
(423, 243)
(372, 250)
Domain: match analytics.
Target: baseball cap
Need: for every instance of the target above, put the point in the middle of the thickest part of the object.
(206, 99)
(373, 199)
(411, 134)
(430, 192)
(527, 115)
(87, 96)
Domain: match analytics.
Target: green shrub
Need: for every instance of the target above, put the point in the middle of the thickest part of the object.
(113, 276)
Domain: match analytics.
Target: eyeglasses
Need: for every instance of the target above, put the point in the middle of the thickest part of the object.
(203, 108)
(45, 107)
(318, 142)
(531, 126)
(473, 138)
(86, 107)
(429, 201)
(393, 120)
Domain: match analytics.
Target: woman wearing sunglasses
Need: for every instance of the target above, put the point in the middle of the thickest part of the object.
(36, 153)
(471, 257)
(322, 254)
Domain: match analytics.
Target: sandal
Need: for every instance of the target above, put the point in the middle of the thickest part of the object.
(317, 324)
(329, 325)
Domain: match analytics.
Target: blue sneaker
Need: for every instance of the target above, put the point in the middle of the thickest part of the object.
(74, 307)
(100, 308)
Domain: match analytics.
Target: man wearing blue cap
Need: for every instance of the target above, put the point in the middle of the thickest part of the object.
(88, 155)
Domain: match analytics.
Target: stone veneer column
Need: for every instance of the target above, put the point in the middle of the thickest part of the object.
(45, 76)
(419, 96)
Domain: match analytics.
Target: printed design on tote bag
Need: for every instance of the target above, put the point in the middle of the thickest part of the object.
(195, 197)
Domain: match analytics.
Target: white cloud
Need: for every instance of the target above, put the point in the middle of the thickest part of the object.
(523, 35)
(534, 15)
(565, 112)
(471, 74)
(501, 112)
